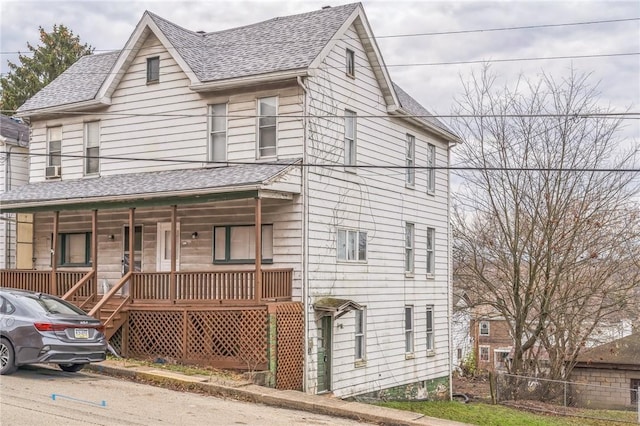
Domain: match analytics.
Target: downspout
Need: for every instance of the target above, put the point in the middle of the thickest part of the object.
(450, 273)
(305, 233)
(7, 187)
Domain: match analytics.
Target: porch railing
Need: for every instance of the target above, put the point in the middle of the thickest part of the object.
(40, 281)
(211, 286)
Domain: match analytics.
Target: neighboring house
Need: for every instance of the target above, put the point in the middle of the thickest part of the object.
(612, 371)
(492, 339)
(14, 172)
(244, 166)
(461, 341)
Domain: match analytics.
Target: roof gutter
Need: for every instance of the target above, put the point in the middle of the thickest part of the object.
(78, 106)
(243, 81)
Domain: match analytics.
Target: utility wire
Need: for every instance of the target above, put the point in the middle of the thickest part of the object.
(427, 34)
(337, 165)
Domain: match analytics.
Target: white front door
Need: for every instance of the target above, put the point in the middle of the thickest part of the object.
(164, 247)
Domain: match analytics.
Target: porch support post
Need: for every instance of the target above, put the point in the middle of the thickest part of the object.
(258, 279)
(132, 242)
(54, 254)
(172, 274)
(94, 244)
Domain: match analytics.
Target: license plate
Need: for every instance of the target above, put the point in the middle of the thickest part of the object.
(81, 333)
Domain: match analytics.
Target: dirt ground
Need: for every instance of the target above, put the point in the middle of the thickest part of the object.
(476, 388)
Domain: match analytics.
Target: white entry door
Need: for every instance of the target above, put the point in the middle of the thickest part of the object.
(164, 247)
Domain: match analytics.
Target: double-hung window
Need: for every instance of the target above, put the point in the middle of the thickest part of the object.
(409, 247)
(431, 171)
(408, 329)
(74, 249)
(430, 339)
(54, 146)
(350, 139)
(237, 244)
(153, 69)
(411, 160)
(431, 258)
(218, 133)
(484, 328)
(360, 334)
(92, 148)
(267, 131)
(484, 353)
(351, 63)
(351, 245)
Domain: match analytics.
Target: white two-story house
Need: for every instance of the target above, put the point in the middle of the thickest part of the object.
(14, 172)
(271, 177)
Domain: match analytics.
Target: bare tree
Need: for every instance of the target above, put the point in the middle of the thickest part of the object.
(545, 226)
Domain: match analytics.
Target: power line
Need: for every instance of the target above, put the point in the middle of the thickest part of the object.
(571, 116)
(426, 34)
(337, 165)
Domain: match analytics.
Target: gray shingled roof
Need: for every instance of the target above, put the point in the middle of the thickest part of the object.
(624, 351)
(413, 107)
(173, 182)
(15, 132)
(279, 44)
(80, 82)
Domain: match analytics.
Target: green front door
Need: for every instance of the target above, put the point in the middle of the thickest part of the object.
(324, 355)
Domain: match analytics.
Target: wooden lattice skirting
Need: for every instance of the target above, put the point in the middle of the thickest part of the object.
(290, 346)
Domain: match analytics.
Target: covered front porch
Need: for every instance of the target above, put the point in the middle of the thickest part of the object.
(171, 273)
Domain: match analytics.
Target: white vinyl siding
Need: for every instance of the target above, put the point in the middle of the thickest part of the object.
(92, 148)
(267, 127)
(218, 132)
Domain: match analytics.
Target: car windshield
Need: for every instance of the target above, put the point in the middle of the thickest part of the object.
(51, 305)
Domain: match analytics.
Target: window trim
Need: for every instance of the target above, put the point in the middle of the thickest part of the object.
(409, 248)
(430, 330)
(49, 152)
(409, 335)
(359, 235)
(87, 147)
(62, 249)
(431, 171)
(350, 143)
(227, 249)
(211, 149)
(410, 157)
(360, 338)
(350, 59)
(431, 252)
(151, 77)
(259, 127)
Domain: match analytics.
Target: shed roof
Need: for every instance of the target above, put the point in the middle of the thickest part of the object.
(624, 351)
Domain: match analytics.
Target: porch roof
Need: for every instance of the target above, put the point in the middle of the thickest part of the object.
(331, 306)
(197, 185)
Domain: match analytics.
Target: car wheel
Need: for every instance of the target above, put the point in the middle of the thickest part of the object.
(71, 368)
(7, 357)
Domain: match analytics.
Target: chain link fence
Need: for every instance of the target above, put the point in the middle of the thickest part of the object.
(569, 398)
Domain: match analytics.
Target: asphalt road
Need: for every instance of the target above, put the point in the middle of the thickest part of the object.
(37, 395)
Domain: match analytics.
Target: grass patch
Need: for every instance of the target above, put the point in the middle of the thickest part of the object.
(497, 415)
(188, 370)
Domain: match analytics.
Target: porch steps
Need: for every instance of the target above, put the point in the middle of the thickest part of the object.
(107, 310)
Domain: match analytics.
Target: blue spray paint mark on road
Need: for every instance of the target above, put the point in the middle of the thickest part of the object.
(84, 401)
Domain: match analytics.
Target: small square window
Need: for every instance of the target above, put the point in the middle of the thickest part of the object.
(153, 69)
(351, 63)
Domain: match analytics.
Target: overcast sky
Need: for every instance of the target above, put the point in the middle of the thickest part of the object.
(106, 25)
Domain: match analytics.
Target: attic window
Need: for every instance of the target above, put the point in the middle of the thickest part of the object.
(351, 63)
(153, 69)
